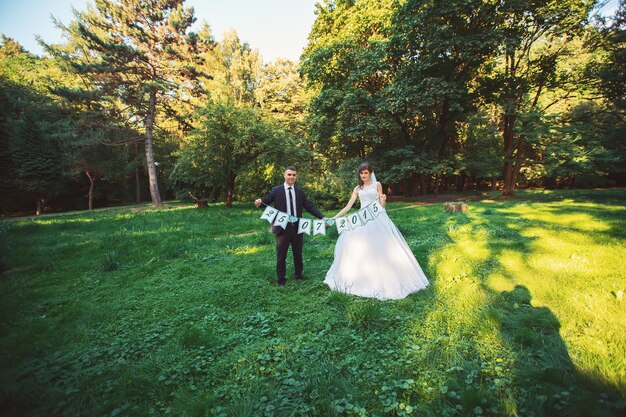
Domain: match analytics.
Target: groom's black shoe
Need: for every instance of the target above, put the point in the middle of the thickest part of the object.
(281, 284)
(300, 278)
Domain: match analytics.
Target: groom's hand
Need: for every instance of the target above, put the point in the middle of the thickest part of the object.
(257, 202)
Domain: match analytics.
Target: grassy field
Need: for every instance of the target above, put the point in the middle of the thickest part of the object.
(141, 312)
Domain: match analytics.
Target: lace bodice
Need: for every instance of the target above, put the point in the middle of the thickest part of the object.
(368, 194)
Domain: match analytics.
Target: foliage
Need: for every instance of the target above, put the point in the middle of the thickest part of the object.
(141, 54)
(35, 131)
(439, 96)
(523, 317)
(346, 65)
(481, 154)
(437, 90)
(281, 94)
(607, 72)
(229, 140)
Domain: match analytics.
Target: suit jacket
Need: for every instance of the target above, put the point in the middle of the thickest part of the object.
(279, 199)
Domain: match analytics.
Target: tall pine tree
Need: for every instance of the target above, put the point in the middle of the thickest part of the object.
(139, 53)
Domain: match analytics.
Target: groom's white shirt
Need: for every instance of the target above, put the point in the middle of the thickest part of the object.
(287, 198)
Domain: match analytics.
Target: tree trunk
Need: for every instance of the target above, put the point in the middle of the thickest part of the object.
(137, 186)
(229, 196)
(422, 184)
(90, 194)
(437, 185)
(152, 175)
(39, 203)
(494, 184)
(230, 191)
(137, 179)
(444, 135)
(200, 203)
(570, 182)
(512, 166)
(508, 187)
(461, 182)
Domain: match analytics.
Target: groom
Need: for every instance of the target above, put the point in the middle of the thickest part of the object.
(288, 199)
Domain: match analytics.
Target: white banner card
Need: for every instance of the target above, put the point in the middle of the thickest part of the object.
(281, 220)
(305, 226)
(342, 224)
(269, 214)
(376, 208)
(354, 220)
(319, 227)
(365, 215)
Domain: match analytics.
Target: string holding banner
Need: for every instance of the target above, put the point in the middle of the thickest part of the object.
(344, 224)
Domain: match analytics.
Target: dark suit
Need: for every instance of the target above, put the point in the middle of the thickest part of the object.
(289, 236)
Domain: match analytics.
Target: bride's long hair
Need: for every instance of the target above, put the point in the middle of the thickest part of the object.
(363, 167)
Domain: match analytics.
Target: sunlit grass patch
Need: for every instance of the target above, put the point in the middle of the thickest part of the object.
(576, 220)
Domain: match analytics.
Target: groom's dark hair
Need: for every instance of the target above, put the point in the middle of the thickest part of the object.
(291, 168)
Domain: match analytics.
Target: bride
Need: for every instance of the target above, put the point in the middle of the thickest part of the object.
(373, 260)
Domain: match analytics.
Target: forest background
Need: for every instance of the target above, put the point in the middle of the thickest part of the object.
(466, 95)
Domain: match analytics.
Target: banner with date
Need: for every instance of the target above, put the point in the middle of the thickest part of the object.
(360, 218)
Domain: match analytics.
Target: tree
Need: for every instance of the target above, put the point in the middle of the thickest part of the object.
(346, 65)
(608, 75)
(395, 79)
(533, 39)
(226, 142)
(140, 53)
(585, 147)
(94, 158)
(439, 49)
(35, 130)
(234, 65)
(481, 152)
(281, 95)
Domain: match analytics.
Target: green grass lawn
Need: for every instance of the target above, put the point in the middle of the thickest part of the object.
(141, 312)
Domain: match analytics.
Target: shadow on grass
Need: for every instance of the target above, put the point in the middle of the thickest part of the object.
(547, 379)
(499, 354)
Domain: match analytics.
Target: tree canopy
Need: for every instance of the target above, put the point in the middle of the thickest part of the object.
(439, 96)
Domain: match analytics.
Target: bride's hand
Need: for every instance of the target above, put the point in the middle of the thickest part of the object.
(383, 197)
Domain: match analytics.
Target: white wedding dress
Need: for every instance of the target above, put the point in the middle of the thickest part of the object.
(374, 260)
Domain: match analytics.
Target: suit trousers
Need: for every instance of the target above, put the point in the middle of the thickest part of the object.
(289, 237)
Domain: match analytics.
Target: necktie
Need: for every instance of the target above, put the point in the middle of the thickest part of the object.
(291, 205)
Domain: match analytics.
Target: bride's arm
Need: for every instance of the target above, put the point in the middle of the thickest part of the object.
(349, 205)
(383, 197)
